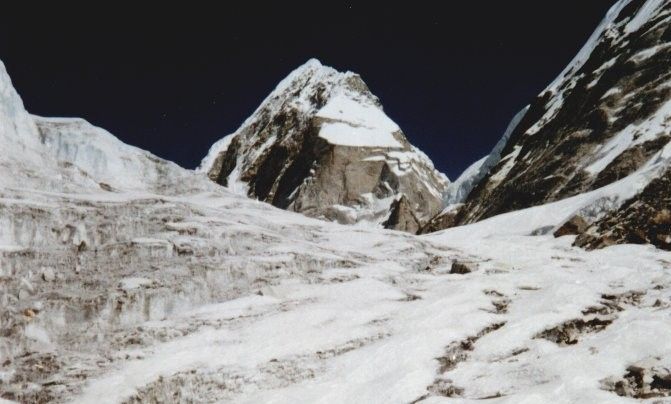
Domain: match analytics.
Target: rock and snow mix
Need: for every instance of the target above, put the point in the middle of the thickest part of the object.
(321, 145)
(127, 279)
(605, 118)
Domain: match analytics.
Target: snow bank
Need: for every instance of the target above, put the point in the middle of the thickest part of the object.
(357, 113)
(357, 124)
(343, 134)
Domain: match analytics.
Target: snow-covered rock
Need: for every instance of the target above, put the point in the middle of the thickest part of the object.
(70, 154)
(644, 219)
(459, 189)
(321, 145)
(606, 117)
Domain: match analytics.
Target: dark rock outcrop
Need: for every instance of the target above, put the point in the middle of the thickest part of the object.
(462, 267)
(444, 220)
(644, 219)
(574, 226)
(402, 216)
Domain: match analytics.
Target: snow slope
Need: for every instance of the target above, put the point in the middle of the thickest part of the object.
(206, 296)
(212, 297)
(357, 124)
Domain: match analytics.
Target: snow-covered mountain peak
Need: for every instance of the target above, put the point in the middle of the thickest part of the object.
(311, 84)
(308, 89)
(322, 145)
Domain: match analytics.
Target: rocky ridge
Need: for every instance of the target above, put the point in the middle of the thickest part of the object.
(605, 118)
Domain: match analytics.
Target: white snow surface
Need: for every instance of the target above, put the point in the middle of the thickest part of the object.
(343, 134)
(292, 310)
(19, 141)
(372, 332)
(357, 124)
(650, 8)
(345, 109)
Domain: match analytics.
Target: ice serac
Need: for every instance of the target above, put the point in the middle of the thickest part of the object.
(321, 145)
(107, 162)
(72, 155)
(18, 134)
(603, 119)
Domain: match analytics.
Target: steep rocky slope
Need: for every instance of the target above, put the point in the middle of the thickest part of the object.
(604, 118)
(321, 145)
(644, 219)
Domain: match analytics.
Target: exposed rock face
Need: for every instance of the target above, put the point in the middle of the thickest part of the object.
(644, 219)
(645, 380)
(402, 216)
(321, 145)
(461, 268)
(446, 219)
(602, 119)
(575, 225)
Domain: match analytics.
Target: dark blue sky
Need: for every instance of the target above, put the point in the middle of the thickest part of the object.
(173, 81)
